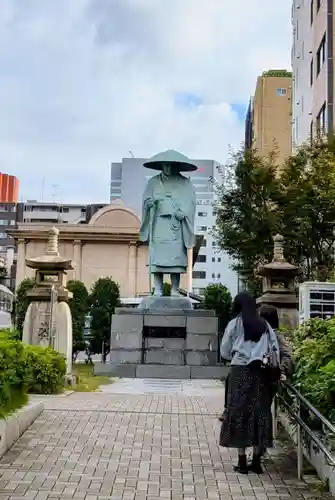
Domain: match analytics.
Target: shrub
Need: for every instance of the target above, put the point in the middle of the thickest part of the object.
(25, 368)
(314, 352)
(45, 370)
(12, 375)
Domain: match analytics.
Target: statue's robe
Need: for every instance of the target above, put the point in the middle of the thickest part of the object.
(168, 237)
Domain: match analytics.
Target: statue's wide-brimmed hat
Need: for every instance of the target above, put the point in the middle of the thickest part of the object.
(181, 161)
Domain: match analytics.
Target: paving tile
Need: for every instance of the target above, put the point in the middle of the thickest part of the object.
(161, 442)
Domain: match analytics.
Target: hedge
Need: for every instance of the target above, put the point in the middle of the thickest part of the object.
(314, 353)
(25, 368)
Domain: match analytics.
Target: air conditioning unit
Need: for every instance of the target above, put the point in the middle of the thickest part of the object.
(316, 300)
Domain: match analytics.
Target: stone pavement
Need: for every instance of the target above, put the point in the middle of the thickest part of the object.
(138, 440)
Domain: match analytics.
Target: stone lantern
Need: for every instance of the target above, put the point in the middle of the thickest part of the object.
(48, 319)
(279, 285)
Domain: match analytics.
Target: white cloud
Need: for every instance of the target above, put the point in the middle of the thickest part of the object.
(83, 82)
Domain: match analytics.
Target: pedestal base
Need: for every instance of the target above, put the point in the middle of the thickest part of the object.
(185, 372)
(158, 303)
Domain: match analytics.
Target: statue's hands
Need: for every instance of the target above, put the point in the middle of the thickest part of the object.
(150, 202)
(180, 215)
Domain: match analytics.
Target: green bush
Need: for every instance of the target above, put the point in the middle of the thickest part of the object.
(45, 370)
(12, 374)
(314, 352)
(25, 368)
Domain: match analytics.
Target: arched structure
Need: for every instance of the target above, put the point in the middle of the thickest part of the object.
(107, 246)
(116, 215)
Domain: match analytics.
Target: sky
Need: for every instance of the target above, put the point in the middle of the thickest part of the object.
(84, 82)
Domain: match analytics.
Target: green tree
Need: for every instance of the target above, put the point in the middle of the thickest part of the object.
(218, 298)
(258, 199)
(166, 289)
(79, 306)
(307, 208)
(22, 302)
(105, 296)
(247, 214)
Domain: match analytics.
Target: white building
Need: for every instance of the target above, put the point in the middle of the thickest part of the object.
(128, 180)
(313, 69)
(55, 213)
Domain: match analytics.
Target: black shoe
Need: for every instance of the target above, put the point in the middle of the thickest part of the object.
(242, 466)
(255, 465)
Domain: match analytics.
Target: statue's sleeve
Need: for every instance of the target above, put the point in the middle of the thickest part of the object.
(146, 220)
(188, 208)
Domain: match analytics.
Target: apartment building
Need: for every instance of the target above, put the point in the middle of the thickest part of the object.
(313, 69)
(211, 266)
(55, 213)
(268, 120)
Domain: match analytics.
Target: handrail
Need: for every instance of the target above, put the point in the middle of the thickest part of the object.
(310, 407)
(311, 434)
(301, 400)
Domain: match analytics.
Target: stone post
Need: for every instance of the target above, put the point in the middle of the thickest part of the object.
(77, 256)
(21, 261)
(132, 268)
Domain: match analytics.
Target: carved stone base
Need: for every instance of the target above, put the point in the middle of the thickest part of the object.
(36, 328)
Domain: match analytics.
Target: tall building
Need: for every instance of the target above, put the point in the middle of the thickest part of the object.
(9, 188)
(313, 69)
(268, 120)
(128, 180)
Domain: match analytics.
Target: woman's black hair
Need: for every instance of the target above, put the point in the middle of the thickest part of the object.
(244, 305)
(270, 314)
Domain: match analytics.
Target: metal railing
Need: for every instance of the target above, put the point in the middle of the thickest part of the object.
(294, 411)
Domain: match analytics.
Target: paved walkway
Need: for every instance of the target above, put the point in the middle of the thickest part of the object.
(138, 440)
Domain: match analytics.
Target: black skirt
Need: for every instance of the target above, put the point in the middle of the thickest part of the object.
(247, 419)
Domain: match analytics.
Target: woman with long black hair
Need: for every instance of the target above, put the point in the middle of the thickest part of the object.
(252, 347)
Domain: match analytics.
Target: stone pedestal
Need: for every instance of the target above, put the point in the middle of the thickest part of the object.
(163, 343)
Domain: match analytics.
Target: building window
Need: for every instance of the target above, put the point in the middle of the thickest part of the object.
(312, 11)
(213, 259)
(321, 55)
(3, 235)
(3, 208)
(219, 259)
(201, 275)
(281, 91)
(311, 129)
(201, 228)
(213, 275)
(3, 222)
(311, 72)
(201, 258)
(202, 214)
(204, 243)
(214, 244)
(321, 121)
(219, 275)
(66, 210)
